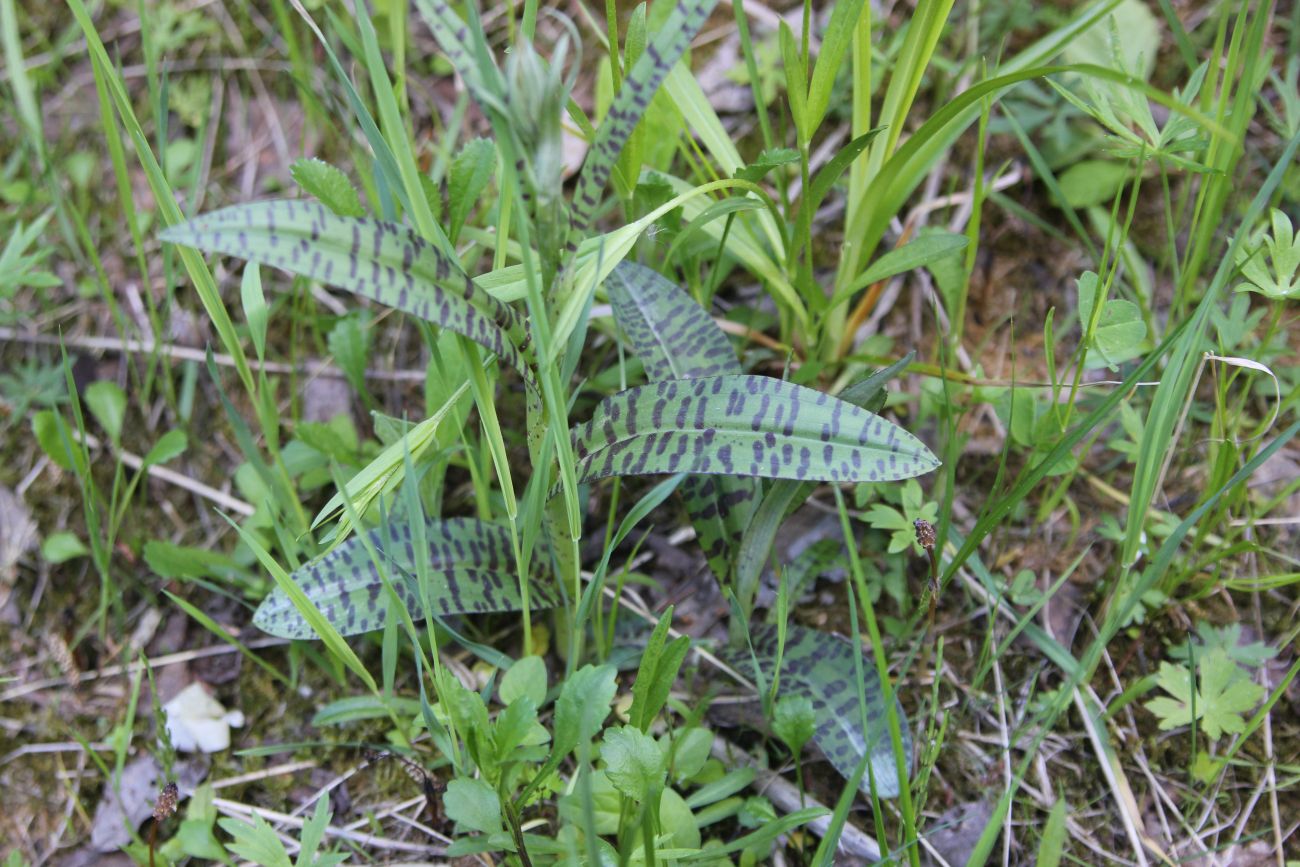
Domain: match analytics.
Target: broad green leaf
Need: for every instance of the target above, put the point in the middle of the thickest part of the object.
(170, 445)
(633, 761)
(1120, 329)
(675, 338)
(349, 343)
(1092, 182)
(63, 546)
(744, 425)
(820, 667)
(1128, 40)
(58, 441)
(474, 804)
(525, 679)
(383, 261)
(661, 54)
(107, 403)
(471, 172)
(328, 184)
(794, 721)
(471, 567)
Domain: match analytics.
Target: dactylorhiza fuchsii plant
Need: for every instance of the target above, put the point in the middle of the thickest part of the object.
(716, 431)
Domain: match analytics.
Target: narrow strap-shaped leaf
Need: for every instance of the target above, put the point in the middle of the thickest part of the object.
(662, 52)
(744, 425)
(383, 261)
(677, 339)
(478, 71)
(820, 667)
(471, 569)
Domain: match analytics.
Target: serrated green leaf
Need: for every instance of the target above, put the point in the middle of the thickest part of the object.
(1224, 694)
(471, 172)
(633, 761)
(744, 425)
(820, 667)
(661, 54)
(675, 338)
(471, 567)
(383, 261)
(582, 707)
(256, 841)
(766, 161)
(328, 184)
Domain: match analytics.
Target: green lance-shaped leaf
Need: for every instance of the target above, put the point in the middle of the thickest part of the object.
(386, 262)
(661, 53)
(820, 667)
(471, 568)
(675, 338)
(744, 425)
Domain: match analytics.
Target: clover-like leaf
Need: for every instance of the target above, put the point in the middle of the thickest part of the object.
(1224, 694)
(471, 570)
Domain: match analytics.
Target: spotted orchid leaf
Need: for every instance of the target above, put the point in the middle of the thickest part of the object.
(661, 54)
(820, 667)
(744, 425)
(675, 338)
(471, 571)
(385, 262)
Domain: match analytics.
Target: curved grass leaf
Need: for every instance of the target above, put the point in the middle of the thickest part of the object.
(676, 339)
(383, 261)
(744, 425)
(661, 54)
(471, 567)
(820, 667)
